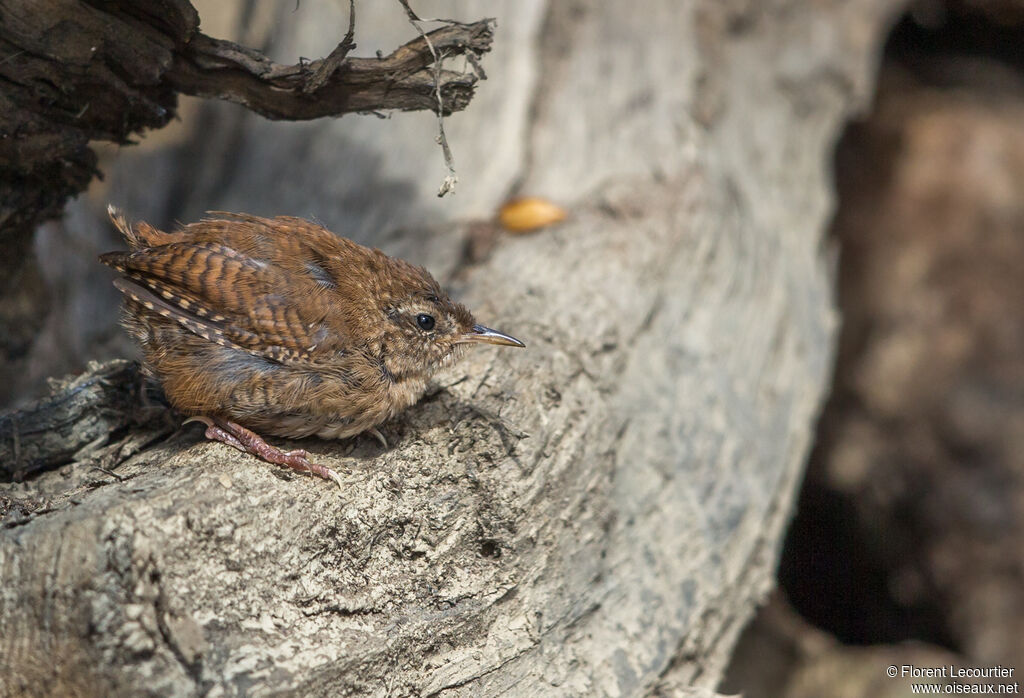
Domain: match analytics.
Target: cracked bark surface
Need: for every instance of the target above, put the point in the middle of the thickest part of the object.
(597, 515)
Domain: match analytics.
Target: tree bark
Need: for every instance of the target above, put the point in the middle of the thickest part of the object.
(595, 515)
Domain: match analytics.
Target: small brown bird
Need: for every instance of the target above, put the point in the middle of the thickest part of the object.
(279, 326)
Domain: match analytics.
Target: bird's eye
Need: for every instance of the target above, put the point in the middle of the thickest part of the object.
(426, 322)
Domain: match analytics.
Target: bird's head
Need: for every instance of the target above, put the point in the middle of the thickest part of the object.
(425, 328)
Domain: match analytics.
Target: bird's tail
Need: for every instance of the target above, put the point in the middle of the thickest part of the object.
(122, 224)
(139, 234)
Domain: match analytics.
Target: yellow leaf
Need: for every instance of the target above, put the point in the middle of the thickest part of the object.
(529, 213)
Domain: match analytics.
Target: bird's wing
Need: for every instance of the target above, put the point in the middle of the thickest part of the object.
(226, 296)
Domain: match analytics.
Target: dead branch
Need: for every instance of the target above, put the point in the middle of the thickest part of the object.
(404, 80)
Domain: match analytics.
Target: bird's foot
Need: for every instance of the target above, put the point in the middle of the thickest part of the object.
(375, 433)
(248, 441)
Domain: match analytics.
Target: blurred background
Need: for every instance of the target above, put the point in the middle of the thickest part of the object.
(908, 543)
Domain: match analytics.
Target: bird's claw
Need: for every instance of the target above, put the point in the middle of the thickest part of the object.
(247, 441)
(375, 433)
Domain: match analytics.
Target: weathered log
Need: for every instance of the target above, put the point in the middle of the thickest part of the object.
(596, 515)
(79, 418)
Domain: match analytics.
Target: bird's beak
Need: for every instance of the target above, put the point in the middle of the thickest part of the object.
(485, 335)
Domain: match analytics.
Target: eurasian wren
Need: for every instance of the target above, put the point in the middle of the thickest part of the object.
(279, 326)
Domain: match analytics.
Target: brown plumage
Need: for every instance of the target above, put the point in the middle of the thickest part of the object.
(281, 327)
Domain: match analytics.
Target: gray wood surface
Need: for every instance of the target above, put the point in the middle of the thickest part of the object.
(595, 515)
